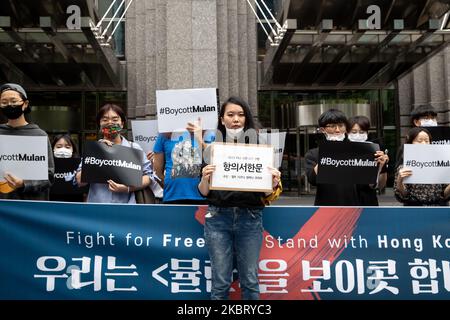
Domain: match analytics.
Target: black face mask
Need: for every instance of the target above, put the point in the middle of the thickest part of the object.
(12, 112)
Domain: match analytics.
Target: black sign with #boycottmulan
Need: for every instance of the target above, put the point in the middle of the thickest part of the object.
(347, 162)
(118, 163)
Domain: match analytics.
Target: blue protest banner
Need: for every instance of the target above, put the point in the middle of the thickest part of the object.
(56, 250)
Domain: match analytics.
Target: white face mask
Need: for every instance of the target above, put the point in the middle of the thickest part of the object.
(357, 137)
(62, 153)
(335, 137)
(428, 123)
(234, 133)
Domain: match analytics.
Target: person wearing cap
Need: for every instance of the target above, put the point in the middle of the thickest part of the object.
(14, 105)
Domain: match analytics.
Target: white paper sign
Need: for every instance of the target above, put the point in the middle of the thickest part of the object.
(145, 133)
(429, 163)
(242, 167)
(175, 108)
(277, 141)
(24, 157)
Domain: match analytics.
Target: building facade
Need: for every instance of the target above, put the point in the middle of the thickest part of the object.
(180, 44)
(379, 58)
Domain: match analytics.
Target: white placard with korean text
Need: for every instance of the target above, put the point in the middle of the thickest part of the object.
(145, 133)
(24, 157)
(429, 163)
(242, 167)
(175, 108)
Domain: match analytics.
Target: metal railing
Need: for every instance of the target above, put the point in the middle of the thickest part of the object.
(274, 32)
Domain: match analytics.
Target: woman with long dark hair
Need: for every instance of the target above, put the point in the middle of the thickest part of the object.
(233, 223)
(64, 148)
(419, 194)
(358, 131)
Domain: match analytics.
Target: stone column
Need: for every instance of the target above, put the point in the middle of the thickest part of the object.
(177, 44)
(427, 83)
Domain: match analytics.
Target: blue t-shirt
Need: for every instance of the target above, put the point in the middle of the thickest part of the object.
(183, 162)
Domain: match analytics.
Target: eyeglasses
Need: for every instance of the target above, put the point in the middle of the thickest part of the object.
(113, 119)
(334, 126)
(14, 102)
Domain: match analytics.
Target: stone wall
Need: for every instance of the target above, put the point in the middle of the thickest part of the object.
(427, 83)
(177, 44)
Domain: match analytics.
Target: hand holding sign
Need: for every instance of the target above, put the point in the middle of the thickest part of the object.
(381, 158)
(404, 172)
(107, 142)
(13, 181)
(207, 172)
(117, 187)
(276, 176)
(195, 127)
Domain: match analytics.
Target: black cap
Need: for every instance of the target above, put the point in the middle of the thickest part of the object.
(15, 87)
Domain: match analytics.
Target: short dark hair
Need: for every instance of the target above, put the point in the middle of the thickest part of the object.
(113, 107)
(424, 110)
(362, 121)
(69, 140)
(414, 132)
(333, 116)
(249, 122)
(20, 90)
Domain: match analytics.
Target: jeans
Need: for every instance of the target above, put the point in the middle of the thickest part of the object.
(228, 232)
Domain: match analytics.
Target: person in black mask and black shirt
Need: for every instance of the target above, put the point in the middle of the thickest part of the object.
(14, 105)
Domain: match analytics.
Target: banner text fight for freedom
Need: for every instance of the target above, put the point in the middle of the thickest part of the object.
(192, 109)
(111, 163)
(347, 163)
(22, 157)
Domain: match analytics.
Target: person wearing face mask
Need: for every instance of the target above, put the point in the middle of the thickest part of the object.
(111, 120)
(421, 116)
(419, 194)
(64, 148)
(358, 131)
(233, 223)
(14, 105)
(333, 124)
(424, 116)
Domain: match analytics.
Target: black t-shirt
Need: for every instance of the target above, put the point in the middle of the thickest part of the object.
(337, 194)
(240, 199)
